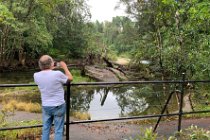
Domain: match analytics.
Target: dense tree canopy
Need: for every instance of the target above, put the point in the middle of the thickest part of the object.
(34, 27)
(172, 34)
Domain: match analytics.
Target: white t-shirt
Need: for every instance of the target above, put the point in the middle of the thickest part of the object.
(50, 84)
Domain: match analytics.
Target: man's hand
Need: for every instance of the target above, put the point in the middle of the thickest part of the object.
(66, 70)
(63, 65)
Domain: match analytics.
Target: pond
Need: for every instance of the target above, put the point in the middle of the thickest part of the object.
(104, 102)
(119, 101)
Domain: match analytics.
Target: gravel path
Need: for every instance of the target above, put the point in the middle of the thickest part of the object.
(23, 116)
(116, 130)
(123, 131)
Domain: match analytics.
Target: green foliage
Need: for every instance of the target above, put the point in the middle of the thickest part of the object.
(71, 40)
(21, 134)
(146, 134)
(174, 35)
(120, 33)
(6, 17)
(192, 133)
(32, 28)
(78, 78)
(110, 39)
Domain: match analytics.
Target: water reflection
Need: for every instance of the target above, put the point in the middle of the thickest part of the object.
(114, 102)
(104, 107)
(102, 102)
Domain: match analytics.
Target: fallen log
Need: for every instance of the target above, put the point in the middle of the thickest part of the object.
(104, 74)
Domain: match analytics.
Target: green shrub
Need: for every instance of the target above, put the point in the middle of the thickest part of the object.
(146, 135)
(192, 133)
(21, 134)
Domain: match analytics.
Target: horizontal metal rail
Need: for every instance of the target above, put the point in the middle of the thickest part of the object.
(106, 120)
(113, 83)
(21, 127)
(138, 117)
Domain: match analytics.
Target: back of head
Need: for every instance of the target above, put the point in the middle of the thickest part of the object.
(45, 62)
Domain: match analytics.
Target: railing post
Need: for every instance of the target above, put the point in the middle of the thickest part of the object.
(181, 102)
(67, 109)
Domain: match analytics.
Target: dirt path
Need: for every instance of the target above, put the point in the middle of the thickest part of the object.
(123, 131)
(116, 130)
(122, 61)
(103, 131)
(23, 116)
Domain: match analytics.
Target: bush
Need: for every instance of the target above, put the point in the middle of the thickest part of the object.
(146, 135)
(192, 133)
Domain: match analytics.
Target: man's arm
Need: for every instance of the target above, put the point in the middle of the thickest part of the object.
(66, 70)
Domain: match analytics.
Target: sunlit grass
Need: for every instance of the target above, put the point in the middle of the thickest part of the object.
(78, 78)
(81, 115)
(31, 93)
(32, 134)
(13, 105)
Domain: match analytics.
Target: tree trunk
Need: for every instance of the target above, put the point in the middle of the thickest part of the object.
(108, 63)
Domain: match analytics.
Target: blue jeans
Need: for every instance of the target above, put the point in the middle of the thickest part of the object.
(50, 113)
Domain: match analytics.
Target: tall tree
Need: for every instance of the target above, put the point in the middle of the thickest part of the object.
(31, 28)
(70, 39)
(169, 33)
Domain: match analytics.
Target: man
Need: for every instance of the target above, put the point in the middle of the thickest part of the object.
(50, 83)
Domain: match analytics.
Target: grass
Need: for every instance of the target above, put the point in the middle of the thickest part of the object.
(20, 134)
(146, 135)
(78, 78)
(13, 105)
(81, 115)
(190, 133)
(25, 98)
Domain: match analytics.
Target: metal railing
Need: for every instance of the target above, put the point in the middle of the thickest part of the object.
(183, 82)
